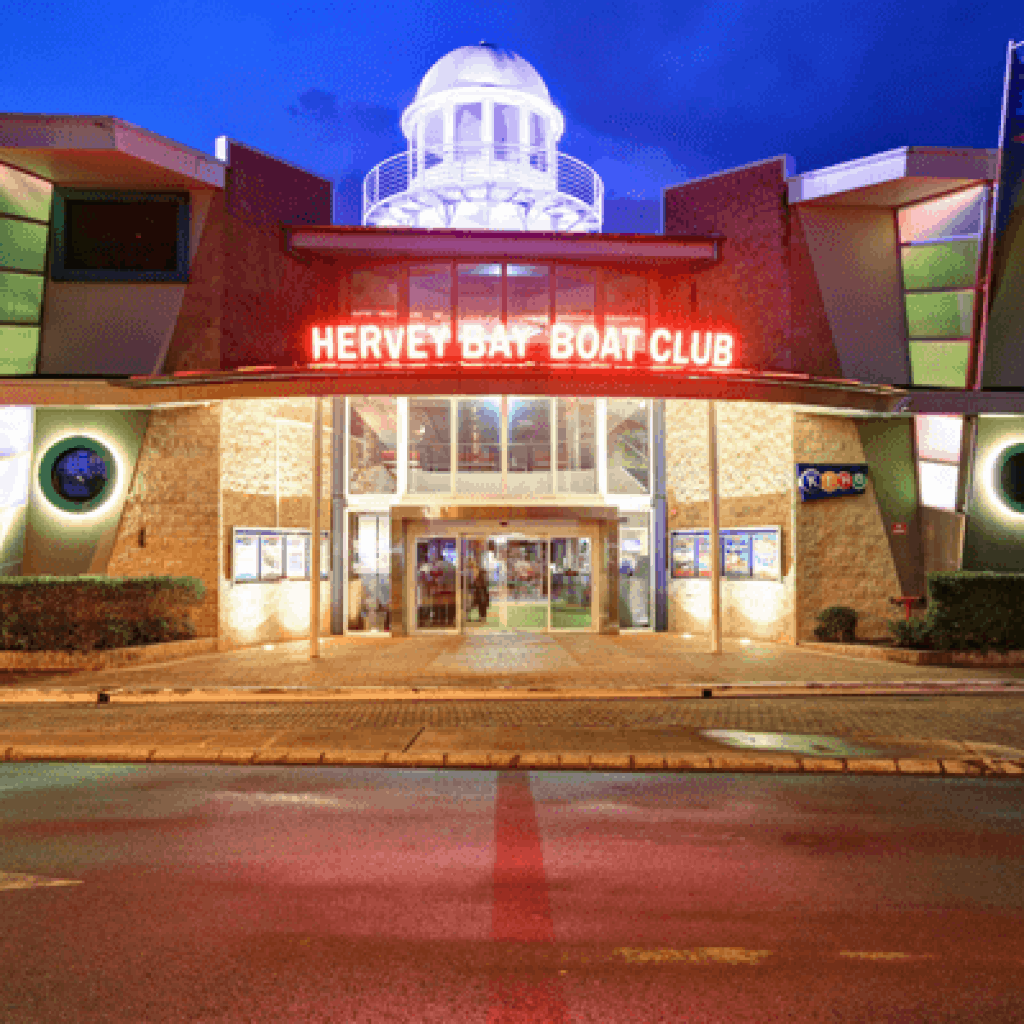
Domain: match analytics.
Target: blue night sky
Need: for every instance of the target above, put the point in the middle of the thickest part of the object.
(653, 93)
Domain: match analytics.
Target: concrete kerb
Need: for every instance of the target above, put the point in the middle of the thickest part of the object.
(257, 694)
(987, 767)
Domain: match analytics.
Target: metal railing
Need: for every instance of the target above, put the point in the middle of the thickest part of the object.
(475, 163)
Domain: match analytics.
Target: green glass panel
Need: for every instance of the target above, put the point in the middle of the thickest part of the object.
(939, 364)
(18, 348)
(24, 195)
(942, 265)
(940, 314)
(22, 246)
(21, 296)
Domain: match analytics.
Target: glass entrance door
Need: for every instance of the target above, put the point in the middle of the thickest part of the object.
(526, 576)
(435, 583)
(504, 582)
(571, 583)
(483, 582)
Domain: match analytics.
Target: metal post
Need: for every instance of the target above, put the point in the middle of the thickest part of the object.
(338, 513)
(716, 567)
(314, 525)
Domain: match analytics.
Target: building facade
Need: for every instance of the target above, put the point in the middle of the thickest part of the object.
(514, 422)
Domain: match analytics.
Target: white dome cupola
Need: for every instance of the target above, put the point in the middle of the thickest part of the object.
(482, 134)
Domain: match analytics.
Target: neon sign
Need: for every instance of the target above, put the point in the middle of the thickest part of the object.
(372, 344)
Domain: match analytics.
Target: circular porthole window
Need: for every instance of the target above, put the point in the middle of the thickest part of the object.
(1009, 481)
(78, 474)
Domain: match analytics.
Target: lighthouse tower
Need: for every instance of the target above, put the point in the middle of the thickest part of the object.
(483, 134)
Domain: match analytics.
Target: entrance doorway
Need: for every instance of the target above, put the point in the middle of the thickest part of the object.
(476, 582)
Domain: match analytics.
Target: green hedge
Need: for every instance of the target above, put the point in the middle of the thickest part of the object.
(85, 613)
(968, 611)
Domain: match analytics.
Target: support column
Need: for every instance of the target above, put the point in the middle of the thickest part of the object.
(338, 512)
(314, 525)
(716, 553)
(660, 539)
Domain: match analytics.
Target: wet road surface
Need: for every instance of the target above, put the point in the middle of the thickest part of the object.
(222, 895)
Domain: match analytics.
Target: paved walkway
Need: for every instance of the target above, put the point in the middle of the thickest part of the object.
(505, 663)
(581, 702)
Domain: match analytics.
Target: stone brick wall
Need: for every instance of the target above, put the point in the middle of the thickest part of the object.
(266, 480)
(195, 343)
(174, 496)
(843, 555)
(764, 288)
(755, 454)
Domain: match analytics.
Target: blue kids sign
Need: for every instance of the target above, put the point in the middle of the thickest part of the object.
(828, 480)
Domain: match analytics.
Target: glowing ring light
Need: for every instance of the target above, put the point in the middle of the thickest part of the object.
(1003, 474)
(78, 474)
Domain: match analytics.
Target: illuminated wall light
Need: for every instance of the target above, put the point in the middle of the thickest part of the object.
(744, 639)
(990, 486)
(118, 493)
(760, 602)
(293, 606)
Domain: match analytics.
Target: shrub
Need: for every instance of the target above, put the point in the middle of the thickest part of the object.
(914, 633)
(968, 611)
(837, 623)
(86, 613)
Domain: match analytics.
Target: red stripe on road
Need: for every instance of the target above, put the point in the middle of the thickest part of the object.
(522, 911)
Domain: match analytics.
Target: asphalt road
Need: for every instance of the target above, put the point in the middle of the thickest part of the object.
(223, 895)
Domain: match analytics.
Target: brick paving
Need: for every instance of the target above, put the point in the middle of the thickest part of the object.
(508, 661)
(990, 718)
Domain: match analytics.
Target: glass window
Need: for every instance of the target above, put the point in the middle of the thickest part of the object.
(939, 364)
(375, 294)
(538, 143)
(575, 295)
(625, 304)
(480, 292)
(948, 217)
(23, 195)
(430, 452)
(18, 349)
(369, 572)
(634, 570)
(373, 445)
(577, 445)
(132, 236)
(529, 446)
(468, 122)
(938, 485)
(506, 130)
(79, 474)
(628, 446)
(940, 314)
(430, 294)
(433, 140)
(21, 297)
(529, 304)
(940, 265)
(938, 437)
(479, 448)
(22, 245)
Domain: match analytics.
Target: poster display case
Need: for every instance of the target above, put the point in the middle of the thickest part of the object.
(269, 554)
(750, 553)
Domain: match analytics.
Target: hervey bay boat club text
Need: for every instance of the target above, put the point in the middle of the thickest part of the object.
(370, 344)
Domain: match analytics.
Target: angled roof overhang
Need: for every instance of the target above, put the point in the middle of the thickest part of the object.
(895, 178)
(370, 244)
(87, 151)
